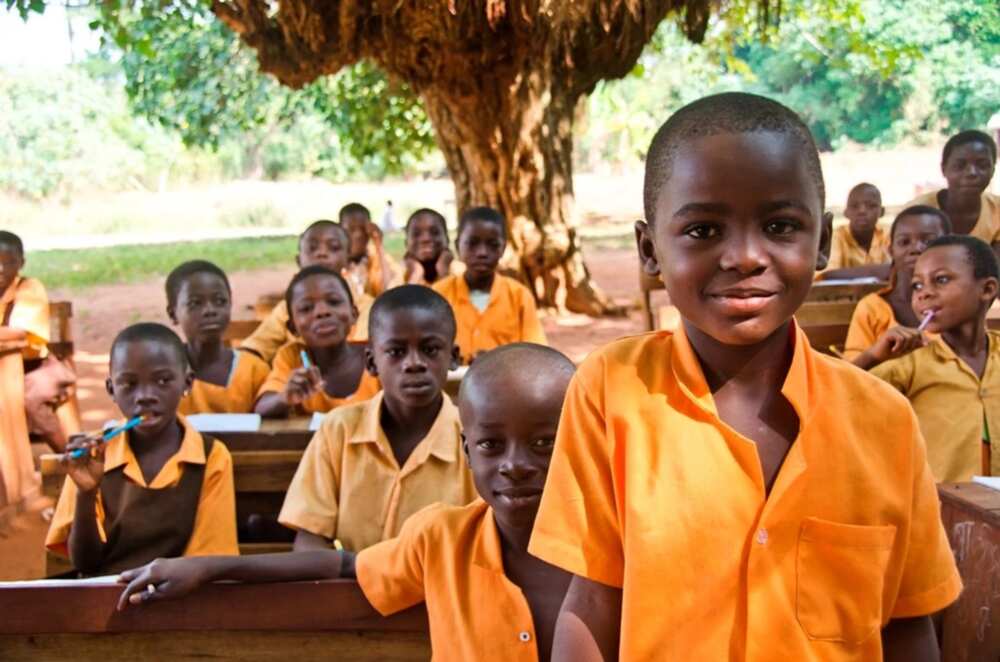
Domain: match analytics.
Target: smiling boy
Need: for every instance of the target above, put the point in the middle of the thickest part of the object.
(709, 500)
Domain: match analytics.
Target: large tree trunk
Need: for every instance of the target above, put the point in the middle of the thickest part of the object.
(508, 144)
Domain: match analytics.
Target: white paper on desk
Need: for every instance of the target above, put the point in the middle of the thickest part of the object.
(458, 373)
(106, 580)
(864, 280)
(988, 481)
(225, 422)
(316, 421)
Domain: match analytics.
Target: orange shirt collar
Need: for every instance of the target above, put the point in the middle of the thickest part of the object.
(120, 453)
(944, 352)
(462, 288)
(485, 551)
(438, 442)
(796, 388)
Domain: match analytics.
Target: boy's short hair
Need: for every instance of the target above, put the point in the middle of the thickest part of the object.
(437, 216)
(324, 223)
(730, 112)
(968, 137)
(979, 253)
(864, 185)
(487, 214)
(151, 332)
(352, 208)
(498, 361)
(411, 296)
(187, 269)
(11, 240)
(315, 270)
(921, 210)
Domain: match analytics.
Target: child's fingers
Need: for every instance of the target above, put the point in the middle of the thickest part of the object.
(140, 580)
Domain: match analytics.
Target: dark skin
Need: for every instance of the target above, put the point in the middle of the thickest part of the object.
(11, 263)
(910, 239)
(322, 315)
(509, 457)
(410, 351)
(480, 246)
(360, 230)
(323, 245)
(944, 282)
(427, 256)
(203, 308)
(968, 171)
(147, 379)
(737, 261)
(864, 208)
(509, 461)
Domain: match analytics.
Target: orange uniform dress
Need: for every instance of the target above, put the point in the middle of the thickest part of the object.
(987, 226)
(237, 396)
(648, 490)
(289, 359)
(449, 557)
(215, 522)
(509, 317)
(845, 251)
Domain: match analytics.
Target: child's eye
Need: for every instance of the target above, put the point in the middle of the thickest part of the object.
(941, 280)
(543, 444)
(916, 286)
(431, 350)
(395, 352)
(781, 227)
(702, 231)
(488, 444)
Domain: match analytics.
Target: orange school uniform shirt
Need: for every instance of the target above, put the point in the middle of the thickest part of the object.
(289, 358)
(215, 522)
(648, 490)
(954, 406)
(871, 318)
(987, 227)
(509, 317)
(236, 396)
(449, 558)
(349, 486)
(25, 306)
(273, 333)
(845, 251)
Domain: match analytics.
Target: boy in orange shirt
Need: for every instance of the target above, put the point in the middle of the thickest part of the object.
(702, 476)
(486, 597)
(954, 382)
(368, 267)
(428, 258)
(160, 489)
(226, 380)
(860, 248)
(491, 309)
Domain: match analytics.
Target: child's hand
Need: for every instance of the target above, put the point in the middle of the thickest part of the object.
(443, 264)
(302, 383)
(375, 233)
(87, 470)
(896, 342)
(413, 271)
(170, 578)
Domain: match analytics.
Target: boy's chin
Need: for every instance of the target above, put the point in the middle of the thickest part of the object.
(743, 332)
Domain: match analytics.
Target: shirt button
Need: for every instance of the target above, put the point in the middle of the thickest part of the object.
(525, 637)
(762, 536)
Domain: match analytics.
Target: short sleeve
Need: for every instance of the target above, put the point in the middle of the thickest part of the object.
(929, 580)
(285, 361)
(898, 373)
(578, 527)
(391, 573)
(862, 331)
(837, 259)
(257, 374)
(30, 313)
(312, 502)
(270, 335)
(57, 539)
(214, 531)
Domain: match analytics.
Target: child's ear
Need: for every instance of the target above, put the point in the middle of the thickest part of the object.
(290, 325)
(109, 387)
(990, 289)
(298, 260)
(188, 380)
(881, 212)
(825, 236)
(647, 249)
(172, 314)
(370, 360)
(465, 445)
(456, 357)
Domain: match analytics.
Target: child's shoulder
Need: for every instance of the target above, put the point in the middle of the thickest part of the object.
(441, 522)
(351, 420)
(857, 391)
(445, 285)
(250, 361)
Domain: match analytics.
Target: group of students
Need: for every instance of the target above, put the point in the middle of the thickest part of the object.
(722, 491)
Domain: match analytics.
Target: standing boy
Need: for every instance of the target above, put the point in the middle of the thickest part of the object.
(724, 492)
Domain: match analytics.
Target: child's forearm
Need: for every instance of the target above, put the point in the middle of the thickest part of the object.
(86, 550)
(272, 405)
(910, 640)
(865, 360)
(288, 567)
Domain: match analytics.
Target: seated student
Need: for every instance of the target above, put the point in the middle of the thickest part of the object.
(491, 309)
(702, 476)
(323, 243)
(24, 306)
(968, 161)
(158, 490)
(322, 314)
(486, 597)
(883, 325)
(373, 464)
(860, 248)
(369, 269)
(954, 382)
(226, 381)
(428, 258)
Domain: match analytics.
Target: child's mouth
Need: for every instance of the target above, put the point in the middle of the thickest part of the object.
(746, 302)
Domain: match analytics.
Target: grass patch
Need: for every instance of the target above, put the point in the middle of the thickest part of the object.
(78, 269)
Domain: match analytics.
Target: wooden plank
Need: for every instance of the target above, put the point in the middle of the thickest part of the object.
(57, 564)
(249, 646)
(824, 291)
(264, 471)
(970, 628)
(825, 313)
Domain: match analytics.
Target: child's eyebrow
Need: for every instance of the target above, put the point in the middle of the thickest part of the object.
(783, 204)
(693, 208)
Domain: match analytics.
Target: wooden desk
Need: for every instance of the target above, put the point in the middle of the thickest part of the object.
(301, 621)
(840, 291)
(971, 626)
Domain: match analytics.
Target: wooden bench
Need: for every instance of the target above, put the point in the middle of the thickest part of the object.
(301, 621)
(61, 329)
(970, 628)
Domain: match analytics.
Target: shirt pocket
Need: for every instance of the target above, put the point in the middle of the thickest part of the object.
(840, 574)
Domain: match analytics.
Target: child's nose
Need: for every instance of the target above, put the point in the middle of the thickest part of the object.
(744, 254)
(414, 362)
